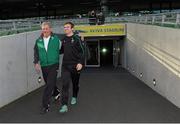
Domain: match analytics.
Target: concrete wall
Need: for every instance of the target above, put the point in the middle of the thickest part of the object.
(17, 74)
(13, 76)
(154, 52)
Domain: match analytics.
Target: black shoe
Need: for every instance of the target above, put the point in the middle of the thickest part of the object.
(44, 110)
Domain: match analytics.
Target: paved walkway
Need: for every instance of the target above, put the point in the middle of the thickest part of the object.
(106, 95)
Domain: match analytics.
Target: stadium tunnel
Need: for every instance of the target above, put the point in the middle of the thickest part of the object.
(104, 44)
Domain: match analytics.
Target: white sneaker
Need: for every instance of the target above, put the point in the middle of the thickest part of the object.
(57, 96)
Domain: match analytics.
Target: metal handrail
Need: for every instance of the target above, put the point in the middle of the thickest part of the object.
(171, 19)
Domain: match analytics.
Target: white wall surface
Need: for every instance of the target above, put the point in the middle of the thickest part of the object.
(13, 75)
(32, 76)
(155, 52)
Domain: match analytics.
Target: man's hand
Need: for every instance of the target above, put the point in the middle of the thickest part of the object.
(82, 38)
(37, 68)
(79, 66)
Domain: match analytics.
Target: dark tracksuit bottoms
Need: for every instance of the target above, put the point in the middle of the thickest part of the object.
(69, 74)
(50, 76)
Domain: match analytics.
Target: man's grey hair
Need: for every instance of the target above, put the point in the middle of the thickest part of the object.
(46, 23)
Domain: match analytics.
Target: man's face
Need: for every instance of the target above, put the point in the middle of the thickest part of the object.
(68, 29)
(46, 30)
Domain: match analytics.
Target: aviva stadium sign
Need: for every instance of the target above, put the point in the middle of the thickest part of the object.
(101, 30)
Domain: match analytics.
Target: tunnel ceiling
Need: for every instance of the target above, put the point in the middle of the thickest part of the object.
(35, 8)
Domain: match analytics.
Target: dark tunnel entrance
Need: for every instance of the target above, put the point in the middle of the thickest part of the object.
(105, 52)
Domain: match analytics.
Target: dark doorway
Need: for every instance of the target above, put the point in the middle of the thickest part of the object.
(93, 61)
(106, 52)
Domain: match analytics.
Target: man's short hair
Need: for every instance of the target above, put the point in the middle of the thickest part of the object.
(46, 23)
(70, 23)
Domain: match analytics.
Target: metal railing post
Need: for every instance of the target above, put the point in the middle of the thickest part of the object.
(177, 19)
(146, 19)
(29, 23)
(153, 19)
(163, 19)
(14, 25)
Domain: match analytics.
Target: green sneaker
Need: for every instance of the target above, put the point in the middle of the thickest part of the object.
(73, 100)
(63, 109)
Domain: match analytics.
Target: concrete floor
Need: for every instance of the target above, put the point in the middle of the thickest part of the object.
(106, 95)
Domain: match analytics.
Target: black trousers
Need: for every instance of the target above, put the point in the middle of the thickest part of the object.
(50, 76)
(69, 74)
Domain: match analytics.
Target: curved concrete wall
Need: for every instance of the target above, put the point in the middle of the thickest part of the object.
(17, 74)
(153, 52)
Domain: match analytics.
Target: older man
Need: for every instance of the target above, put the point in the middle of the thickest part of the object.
(46, 57)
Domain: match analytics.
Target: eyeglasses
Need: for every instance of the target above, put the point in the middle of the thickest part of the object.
(67, 27)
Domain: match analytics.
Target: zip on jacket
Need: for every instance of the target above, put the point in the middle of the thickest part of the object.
(49, 57)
